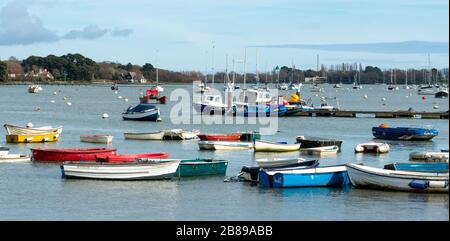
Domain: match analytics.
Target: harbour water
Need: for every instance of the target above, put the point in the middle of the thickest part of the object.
(35, 191)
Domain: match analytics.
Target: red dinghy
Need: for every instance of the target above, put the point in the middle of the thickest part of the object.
(62, 155)
(220, 137)
(130, 158)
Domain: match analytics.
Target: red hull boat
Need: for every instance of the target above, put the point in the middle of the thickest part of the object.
(220, 137)
(130, 158)
(62, 155)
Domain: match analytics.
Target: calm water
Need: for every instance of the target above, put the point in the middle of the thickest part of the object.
(33, 191)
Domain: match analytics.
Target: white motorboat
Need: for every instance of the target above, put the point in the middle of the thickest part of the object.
(18, 130)
(211, 104)
(376, 178)
(138, 170)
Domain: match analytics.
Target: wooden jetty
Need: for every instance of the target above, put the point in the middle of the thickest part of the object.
(375, 114)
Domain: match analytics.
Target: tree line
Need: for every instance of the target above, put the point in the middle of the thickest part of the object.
(76, 67)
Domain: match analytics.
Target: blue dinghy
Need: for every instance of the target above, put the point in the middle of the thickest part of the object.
(310, 177)
(404, 133)
(251, 173)
(418, 167)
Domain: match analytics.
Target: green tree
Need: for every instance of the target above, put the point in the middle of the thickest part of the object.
(3, 71)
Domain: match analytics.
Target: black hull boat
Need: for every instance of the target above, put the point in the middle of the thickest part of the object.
(311, 142)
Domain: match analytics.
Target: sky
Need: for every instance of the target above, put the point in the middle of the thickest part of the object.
(202, 34)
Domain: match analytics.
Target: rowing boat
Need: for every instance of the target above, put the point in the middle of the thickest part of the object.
(144, 135)
(104, 139)
(224, 145)
(376, 178)
(62, 155)
(267, 146)
(32, 138)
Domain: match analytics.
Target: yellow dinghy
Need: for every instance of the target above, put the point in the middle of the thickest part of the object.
(33, 138)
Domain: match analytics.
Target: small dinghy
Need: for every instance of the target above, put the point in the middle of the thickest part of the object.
(250, 174)
(142, 112)
(418, 167)
(324, 150)
(372, 147)
(144, 136)
(62, 155)
(265, 163)
(4, 150)
(201, 167)
(18, 130)
(429, 156)
(129, 157)
(267, 146)
(220, 137)
(138, 170)
(376, 178)
(179, 134)
(311, 142)
(11, 158)
(32, 138)
(104, 139)
(224, 145)
(309, 177)
(403, 133)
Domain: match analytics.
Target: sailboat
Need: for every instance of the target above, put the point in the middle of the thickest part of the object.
(406, 86)
(356, 84)
(392, 86)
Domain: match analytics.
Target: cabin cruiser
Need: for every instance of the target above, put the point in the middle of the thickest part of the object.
(357, 86)
(392, 87)
(252, 101)
(34, 89)
(442, 93)
(211, 104)
(337, 86)
(283, 86)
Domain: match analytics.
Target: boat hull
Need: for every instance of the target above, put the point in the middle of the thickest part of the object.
(144, 136)
(372, 148)
(223, 145)
(404, 133)
(129, 171)
(251, 173)
(218, 137)
(18, 130)
(316, 142)
(429, 156)
(209, 110)
(103, 139)
(324, 150)
(63, 155)
(376, 178)
(12, 158)
(418, 167)
(153, 115)
(311, 177)
(32, 138)
(264, 146)
(129, 158)
(199, 167)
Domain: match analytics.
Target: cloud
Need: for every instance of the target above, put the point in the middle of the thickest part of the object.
(88, 32)
(18, 26)
(407, 47)
(121, 32)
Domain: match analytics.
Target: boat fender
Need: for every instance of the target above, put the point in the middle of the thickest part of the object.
(438, 184)
(417, 184)
(246, 109)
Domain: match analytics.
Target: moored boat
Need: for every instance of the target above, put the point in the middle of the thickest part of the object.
(201, 167)
(4, 150)
(443, 93)
(10, 158)
(179, 134)
(251, 173)
(323, 150)
(267, 146)
(211, 105)
(372, 147)
(32, 138)
(224, 145)
(159, 135)
(62, 155)
(138, 170)
(376, 178)
(129, 157)
(418, 167)
(309, 177)
(276, 162)
(311, 142)
(104, 139)
(220, 137)
(142, 112)
(429, 156)
(18, 130)
(403, 133)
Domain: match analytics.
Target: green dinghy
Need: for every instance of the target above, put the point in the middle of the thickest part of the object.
(201, 167)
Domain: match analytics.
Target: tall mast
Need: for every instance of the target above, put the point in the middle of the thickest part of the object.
(212, 81)
(245, 61)
(234, 72)
(406, 77)
(257, 74)
(226, 80)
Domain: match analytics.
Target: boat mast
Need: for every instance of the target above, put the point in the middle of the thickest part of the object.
(245, 61)
(257, 74)
(212, 81)
(234, 73)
